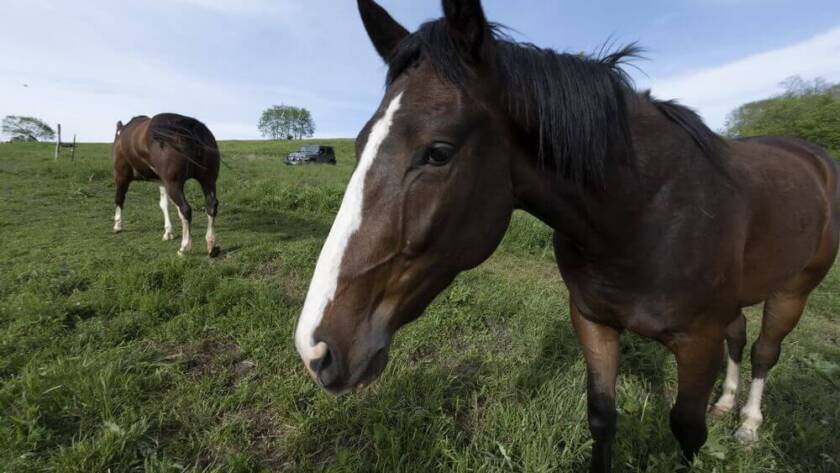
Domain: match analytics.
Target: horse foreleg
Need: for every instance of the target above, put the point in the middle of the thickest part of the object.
(699, 356)
(600, 349)
(167, 223)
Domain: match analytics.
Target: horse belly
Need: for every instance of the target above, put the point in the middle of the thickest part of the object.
(142, 167)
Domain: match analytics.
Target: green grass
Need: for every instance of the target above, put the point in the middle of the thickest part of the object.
(115, 354)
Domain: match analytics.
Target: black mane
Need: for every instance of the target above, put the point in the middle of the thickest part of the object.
(575, 105)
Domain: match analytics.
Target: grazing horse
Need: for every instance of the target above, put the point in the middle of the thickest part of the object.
(170, 149)
(661, 227)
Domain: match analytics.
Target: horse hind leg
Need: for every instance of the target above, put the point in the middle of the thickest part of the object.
(167, 223)
(209, 190)
(175, 190)
(736, 338)
(781, 314)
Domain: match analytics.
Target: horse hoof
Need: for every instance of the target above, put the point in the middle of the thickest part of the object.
(168, 237)
(746, 436)
(118, 229)
(214, 252)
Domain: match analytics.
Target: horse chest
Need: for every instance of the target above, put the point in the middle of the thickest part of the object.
(635, 305)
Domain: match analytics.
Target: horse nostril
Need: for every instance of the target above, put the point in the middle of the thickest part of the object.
(326, 368)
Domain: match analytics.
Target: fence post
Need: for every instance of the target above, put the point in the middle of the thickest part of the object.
(73, 153)
(58, 142)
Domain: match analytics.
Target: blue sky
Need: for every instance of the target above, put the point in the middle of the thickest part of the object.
(89, 63)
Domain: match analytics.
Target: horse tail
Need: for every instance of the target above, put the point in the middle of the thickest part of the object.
(189, 137)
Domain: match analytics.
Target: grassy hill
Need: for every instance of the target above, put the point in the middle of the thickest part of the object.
(115, 354)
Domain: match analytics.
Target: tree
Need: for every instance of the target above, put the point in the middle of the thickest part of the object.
(806, 109)
(302, 123)
(26, 129)
(282, 121)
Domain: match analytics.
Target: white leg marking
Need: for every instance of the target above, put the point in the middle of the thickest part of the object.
(186, 241)
(118, 224)
(730, 388)
(211, 234)
(349, 219)
(164, 207)
(751, 414)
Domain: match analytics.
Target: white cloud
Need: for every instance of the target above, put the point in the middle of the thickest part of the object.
(94, 77)
(105, 66)
(716, 91)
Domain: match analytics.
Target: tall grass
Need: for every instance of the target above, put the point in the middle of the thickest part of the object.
(117, 355)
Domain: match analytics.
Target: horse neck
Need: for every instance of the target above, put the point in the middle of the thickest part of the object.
(596, 220)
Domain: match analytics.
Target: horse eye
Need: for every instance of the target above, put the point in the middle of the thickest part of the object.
(439, 154)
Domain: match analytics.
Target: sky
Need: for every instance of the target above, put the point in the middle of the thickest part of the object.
(88, 63)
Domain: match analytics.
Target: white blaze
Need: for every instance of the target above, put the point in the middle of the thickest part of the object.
(347, 222)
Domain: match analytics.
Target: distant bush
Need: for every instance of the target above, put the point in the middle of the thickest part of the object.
(807, 110)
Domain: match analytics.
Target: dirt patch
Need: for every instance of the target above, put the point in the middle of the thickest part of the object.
(205, 357)
(220, 357)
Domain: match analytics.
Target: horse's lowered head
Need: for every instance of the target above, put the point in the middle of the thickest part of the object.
(431, 196)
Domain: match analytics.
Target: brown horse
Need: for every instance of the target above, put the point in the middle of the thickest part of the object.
(661, 227)
(170, 149)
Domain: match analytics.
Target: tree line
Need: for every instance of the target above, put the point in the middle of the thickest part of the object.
(807, 109)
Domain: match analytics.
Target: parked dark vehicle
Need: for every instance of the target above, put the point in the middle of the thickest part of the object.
(312, 154)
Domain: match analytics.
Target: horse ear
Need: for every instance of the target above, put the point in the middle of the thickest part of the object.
(383, 30)
(119, 125)
(467, 25)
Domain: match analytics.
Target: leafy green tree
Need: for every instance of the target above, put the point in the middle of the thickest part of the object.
(806, 109)
(26, 129)
(282, 121)
(302, 123)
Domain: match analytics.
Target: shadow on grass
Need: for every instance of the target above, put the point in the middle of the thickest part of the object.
(285, 225)
(559, 349)
(806, 435)
(641, 361)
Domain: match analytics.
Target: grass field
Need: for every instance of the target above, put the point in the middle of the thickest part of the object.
(117, 355)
